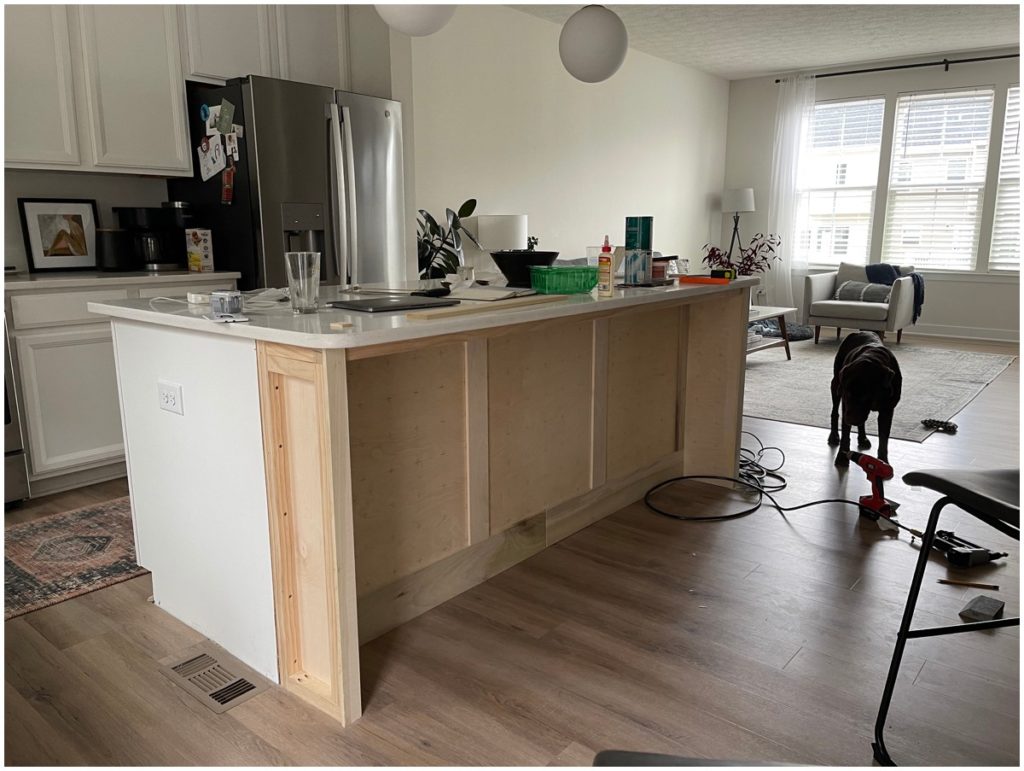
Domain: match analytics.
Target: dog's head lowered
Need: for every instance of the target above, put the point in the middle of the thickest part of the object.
(869, 381)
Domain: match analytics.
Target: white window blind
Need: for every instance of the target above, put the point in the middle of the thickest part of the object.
(1005, 252)
(937, 179)
(837, 177)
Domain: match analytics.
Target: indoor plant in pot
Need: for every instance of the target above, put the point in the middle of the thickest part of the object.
(439, 249)
(757, 257)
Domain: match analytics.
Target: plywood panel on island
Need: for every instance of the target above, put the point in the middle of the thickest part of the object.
(540, 395)
(408, 433)
(643, 359)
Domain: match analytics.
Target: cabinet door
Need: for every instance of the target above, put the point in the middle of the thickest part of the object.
(72, 409)
(311, 42)
(135, 92)
(39, 101)
(228, 41)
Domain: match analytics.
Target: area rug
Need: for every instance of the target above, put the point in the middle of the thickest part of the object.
(937, 383)
(61, 556)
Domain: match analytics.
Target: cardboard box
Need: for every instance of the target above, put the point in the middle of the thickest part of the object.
(199, 248)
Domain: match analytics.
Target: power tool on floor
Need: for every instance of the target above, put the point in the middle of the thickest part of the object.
(959, 552)
(876, 506)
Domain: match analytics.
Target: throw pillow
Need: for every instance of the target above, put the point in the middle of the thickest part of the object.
(859, 291)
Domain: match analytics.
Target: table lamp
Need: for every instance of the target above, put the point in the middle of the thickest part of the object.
(738, 200)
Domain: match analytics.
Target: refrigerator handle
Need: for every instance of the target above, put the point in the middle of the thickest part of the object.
(339, 227)
(350, 194)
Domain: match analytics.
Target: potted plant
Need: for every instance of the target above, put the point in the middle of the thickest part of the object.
(755, 258)
(439, 249)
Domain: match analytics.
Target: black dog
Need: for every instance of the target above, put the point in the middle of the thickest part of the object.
(866, 377)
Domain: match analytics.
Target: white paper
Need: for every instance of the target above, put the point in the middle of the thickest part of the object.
(211, 121)
(213, 160)
(231, 145)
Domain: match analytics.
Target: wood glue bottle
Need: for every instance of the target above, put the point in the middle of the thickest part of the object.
(604, 270)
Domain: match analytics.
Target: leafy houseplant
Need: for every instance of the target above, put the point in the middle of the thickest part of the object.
(755, 258)
(439, 249)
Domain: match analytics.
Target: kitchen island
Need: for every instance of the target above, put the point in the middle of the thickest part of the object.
(314, 481)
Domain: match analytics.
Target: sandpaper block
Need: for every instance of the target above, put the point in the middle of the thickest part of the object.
(982, 608)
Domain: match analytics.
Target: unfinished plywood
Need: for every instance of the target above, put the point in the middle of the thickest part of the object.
(643, 359)
(715, 366)
(408, 434)
(304, 412)
(540, 389)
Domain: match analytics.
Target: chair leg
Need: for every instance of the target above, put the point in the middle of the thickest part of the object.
(899, 335)
(878, 745)
(817, 333)
(881, 335)
(839, 331)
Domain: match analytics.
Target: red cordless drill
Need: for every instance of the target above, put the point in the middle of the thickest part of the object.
(876, 506)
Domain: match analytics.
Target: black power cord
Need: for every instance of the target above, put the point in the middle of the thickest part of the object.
(755, 476)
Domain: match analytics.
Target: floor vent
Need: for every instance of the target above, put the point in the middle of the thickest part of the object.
(214, 677)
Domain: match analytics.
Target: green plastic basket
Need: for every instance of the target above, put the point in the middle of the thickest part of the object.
(567, 280)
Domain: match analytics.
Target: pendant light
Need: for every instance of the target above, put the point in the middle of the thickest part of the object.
(593, 44)
(416, 20)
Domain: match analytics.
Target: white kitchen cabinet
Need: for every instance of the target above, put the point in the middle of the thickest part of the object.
(311, 44)
(135, 92)
(69, 387)
(39, 101)
(227, 41)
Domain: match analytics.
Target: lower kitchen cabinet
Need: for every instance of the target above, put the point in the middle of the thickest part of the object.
(69, 387)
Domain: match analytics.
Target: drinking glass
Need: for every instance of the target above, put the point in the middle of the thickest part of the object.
(303, 280)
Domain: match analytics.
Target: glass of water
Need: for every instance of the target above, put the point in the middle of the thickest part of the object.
(303, 280)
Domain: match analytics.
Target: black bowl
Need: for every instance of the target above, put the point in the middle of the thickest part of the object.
(515, 264)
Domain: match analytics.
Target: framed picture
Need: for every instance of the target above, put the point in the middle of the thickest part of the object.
(60, 233)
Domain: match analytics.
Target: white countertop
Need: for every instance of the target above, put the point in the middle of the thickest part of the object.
(314, 331)
(89, 279)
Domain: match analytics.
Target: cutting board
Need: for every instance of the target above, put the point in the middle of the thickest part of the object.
(465, 308)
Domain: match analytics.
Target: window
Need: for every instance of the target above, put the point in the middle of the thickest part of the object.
(1005, 252)
(837, 177)
(937, 179)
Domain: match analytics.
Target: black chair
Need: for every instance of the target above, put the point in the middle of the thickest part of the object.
(991, 496)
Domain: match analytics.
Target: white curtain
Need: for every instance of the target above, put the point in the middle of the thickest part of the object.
(795, 105)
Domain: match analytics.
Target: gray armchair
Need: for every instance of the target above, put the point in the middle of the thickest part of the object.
(820, 309)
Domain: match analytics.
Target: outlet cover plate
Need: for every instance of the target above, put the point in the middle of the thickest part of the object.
(170, 396)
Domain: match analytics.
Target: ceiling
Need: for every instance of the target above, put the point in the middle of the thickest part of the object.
(743, 41)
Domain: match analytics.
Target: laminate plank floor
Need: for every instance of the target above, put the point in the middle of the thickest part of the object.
(766, 638)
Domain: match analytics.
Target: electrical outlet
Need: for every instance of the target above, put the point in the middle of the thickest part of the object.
(170, 396)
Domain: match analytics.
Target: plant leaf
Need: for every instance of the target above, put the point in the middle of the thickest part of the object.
(467, 208)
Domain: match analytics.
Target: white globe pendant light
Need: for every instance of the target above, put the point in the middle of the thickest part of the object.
(593, 44)
(416, 20)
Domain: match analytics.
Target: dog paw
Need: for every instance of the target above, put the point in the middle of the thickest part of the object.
(863, 444)
(833, 440)
(842, 460)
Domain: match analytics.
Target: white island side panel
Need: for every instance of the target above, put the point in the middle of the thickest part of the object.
(198, 484)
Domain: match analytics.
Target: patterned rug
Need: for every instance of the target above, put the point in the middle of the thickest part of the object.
(61, 556)
(937, 383)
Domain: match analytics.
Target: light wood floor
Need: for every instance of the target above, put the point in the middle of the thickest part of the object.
(766, 638)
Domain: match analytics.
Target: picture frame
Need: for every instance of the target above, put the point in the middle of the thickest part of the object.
(60, 233)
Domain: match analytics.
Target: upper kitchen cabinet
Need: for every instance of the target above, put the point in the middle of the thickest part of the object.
(39, 98)
(135, 93)
(311, 44)
(227, 41)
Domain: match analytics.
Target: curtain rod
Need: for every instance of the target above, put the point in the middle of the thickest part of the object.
(944, 63)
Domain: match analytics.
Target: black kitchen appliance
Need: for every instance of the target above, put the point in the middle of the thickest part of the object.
(156, 235)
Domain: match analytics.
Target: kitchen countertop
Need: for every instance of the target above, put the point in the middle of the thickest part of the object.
(90, 279)
(314, 330)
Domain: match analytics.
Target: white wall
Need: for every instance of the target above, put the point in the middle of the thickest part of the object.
(106, 189)
(497, 118)
(977, 305)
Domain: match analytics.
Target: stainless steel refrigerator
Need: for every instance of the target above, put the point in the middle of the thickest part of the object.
(317, 170)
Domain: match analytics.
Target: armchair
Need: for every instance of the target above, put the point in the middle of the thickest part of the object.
(819, 309)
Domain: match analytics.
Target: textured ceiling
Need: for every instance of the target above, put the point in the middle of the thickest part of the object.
(743, 41)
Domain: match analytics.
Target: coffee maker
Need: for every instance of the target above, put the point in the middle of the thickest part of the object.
(157, 234)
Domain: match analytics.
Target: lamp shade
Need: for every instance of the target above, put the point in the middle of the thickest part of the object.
(496, 232)
(740, 199)
(416, 20)
(593, 44)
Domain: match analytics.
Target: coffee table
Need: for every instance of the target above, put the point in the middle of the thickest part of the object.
(762, 312)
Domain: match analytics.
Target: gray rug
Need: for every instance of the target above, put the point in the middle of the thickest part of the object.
(937, 383)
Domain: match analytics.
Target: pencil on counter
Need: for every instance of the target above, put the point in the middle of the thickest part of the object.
(972, 584)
